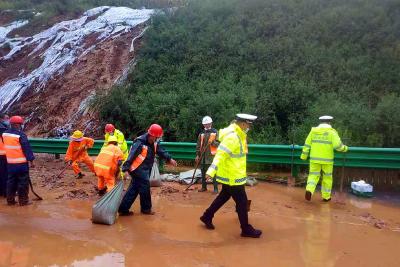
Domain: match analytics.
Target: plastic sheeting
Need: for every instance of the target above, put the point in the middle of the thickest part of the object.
(104, 211)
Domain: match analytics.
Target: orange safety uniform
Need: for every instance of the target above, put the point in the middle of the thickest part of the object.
(106, 166)
(78, 153)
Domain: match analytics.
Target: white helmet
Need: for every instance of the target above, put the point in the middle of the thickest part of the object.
(206, 120)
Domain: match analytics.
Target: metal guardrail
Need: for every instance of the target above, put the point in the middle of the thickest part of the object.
(361, 157)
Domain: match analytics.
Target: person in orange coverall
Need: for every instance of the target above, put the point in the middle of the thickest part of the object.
(107, 165)
(77, 152)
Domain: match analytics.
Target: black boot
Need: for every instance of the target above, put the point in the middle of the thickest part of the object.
(249, 231)
(208, 223)
(80, 175)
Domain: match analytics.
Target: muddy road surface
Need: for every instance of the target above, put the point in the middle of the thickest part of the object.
(57, 231)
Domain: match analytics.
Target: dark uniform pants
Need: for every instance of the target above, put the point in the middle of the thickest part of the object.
(204, 168)
(238, 194)
(3, 176)
(138, 186)
(18, 181)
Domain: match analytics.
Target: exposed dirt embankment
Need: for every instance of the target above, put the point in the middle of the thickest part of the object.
(60, 102)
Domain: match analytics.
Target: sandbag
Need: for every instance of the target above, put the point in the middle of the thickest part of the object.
(104, 211)
(155, 177)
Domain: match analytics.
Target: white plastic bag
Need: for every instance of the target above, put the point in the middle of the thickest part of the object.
(155, 177)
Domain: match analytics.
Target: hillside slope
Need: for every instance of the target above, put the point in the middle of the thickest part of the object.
(286, 61)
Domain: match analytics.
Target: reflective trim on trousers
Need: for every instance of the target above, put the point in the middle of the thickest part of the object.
(311, 183)
(322, 159)
(327, 174)
(322, 142)
(315, 173)
(326, 190)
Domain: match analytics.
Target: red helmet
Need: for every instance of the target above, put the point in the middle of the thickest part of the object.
(109, 128)
(155, 130)
(16, 120)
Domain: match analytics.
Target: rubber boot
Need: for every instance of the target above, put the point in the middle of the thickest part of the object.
(249, 231)
(308, 195)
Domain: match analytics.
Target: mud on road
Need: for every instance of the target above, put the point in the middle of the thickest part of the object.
(57, 231)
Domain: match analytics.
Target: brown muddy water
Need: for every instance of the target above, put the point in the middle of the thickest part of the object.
(349, 231)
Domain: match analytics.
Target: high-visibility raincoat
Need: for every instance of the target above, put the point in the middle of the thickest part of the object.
(106, 165)
(121, 142)
(77, 152)
(229, 164)
(320, 145)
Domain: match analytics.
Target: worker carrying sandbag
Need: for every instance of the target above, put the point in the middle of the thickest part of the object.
(206, 149)
(107, 165)
(111, 131)
(77, 153)
(320, 145)
(18, 154)
(229, 168)
(139, 165)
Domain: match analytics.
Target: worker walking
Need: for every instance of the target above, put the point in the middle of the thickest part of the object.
(18, 154)
(229, 168)
(4, 125)
(107, 165)
(77, 153)
(206, 148)
(320, 145)
(139, 164)
(111, 131)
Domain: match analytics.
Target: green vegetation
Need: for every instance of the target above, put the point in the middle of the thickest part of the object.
(287, 61)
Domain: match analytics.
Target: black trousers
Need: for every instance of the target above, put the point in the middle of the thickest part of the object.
(138, 186)
(204, 168)
(238, 194)
(18, 181)
(3, 176)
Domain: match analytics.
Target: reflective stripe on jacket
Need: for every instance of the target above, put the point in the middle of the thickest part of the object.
(141, 157)
(106, 163)
(321, 143)
(229, 164)
(12, 146)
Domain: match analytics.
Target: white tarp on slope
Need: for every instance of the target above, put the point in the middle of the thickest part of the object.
(66, 41)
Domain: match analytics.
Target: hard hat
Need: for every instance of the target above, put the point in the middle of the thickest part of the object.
(207, 120)
(155, 130)
(326, 118)
(109, 128)
(16, 120)
(246, 118)
(112, 139)
(77, 135)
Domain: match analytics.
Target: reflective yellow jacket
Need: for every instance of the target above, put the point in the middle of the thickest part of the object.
(321, 143)
(121, 142)
(229, 164)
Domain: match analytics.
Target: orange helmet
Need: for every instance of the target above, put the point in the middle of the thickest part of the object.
(155, 130)
(109, 128)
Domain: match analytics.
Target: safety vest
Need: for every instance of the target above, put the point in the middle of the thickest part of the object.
(141, 157)
(14, 152)
(104, 163)
(229, 164)
(320, 145)
(213, 149)
(2, 149)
